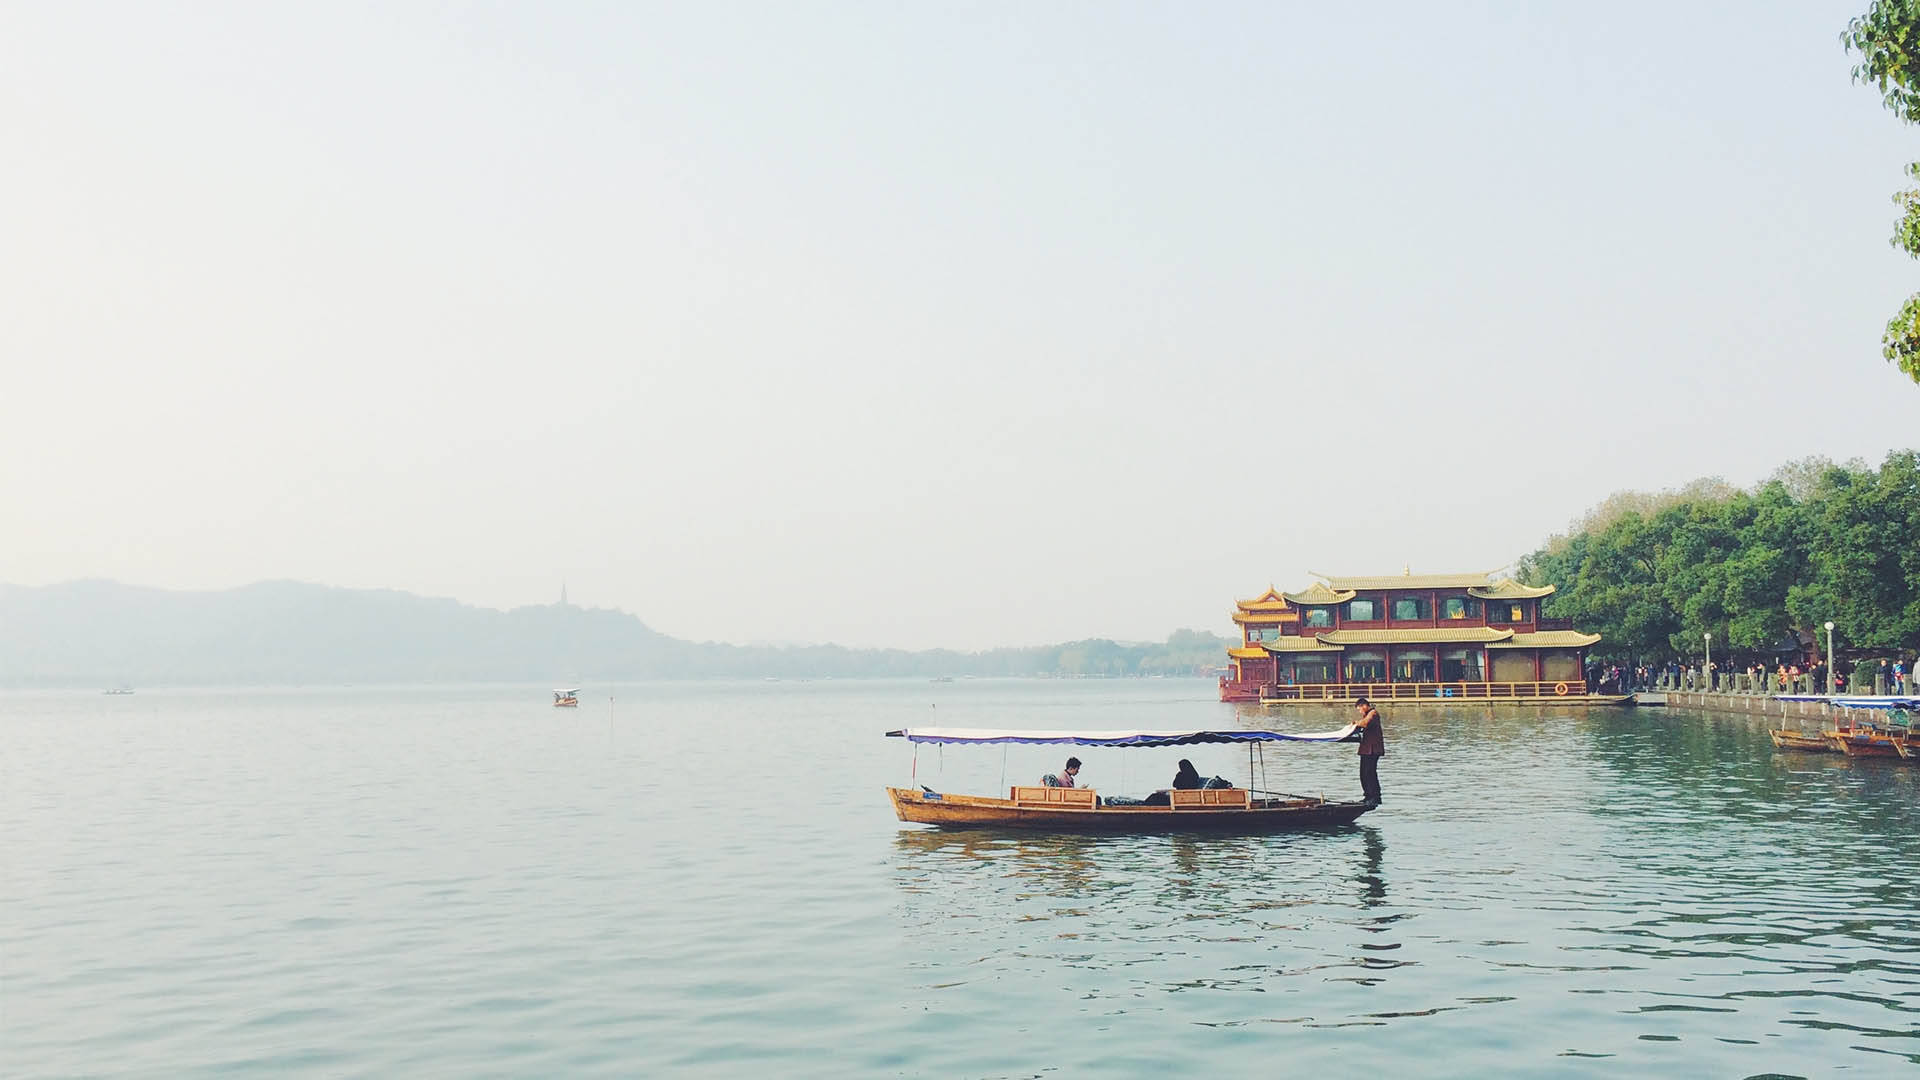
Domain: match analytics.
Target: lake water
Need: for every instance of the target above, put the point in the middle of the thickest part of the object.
(706, 880)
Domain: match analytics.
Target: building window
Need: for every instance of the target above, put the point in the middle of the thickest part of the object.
(1516, 612)
(1460, 607)
(1363, 610)
(1561, 665)
(1366, 667)
(1407, 608)
(1319, 616)
(1461, 665)
(1255, 635)
(1413, 665)
(1313, 669)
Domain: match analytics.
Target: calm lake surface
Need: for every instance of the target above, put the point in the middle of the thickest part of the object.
(706, 880)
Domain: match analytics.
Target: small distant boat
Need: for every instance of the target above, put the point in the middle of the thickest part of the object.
(566, 699)
(123, 688)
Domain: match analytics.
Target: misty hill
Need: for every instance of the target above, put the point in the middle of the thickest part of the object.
(96, 633)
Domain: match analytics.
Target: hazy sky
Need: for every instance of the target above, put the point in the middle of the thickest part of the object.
(916, 324)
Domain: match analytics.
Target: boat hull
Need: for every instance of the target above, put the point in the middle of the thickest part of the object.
(981, 812)
(1801, 740)
(1862, 744)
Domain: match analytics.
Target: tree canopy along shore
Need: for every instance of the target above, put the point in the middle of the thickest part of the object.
(1816, 542)
(1887, 40)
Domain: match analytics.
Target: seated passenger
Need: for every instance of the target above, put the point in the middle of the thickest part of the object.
(1065, 779)
(1188, 778)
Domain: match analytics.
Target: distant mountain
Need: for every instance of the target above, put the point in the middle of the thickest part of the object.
(96, 633)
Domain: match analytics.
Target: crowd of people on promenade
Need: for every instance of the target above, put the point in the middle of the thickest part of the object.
(1881, 675)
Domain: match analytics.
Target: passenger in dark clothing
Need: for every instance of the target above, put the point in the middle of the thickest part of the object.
(1188, 778)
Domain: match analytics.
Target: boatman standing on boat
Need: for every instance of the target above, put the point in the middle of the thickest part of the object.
(1373, 746)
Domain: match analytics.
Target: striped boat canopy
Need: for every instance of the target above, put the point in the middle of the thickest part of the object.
(989, 736)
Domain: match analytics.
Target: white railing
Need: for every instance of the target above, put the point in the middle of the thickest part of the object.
(1410, 691)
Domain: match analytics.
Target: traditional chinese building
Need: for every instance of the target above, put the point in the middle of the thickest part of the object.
(1411, 636)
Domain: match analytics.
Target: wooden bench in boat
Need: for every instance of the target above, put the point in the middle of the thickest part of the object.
(1211, 799)
(1084, 798)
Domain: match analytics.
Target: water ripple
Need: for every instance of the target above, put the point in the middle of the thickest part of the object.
(455, 882)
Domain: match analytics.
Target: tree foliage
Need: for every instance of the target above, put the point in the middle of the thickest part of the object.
(1816, 541)
(1887, 39)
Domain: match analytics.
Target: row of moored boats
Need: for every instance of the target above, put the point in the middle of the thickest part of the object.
(1858, 735)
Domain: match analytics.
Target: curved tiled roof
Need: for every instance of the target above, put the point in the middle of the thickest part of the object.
(1408, 581)
(1468, 635)
(1548, 639)
(1251, 652)
(1509, 589)
(1271, 600)
(1302, 643)
(1320, 595)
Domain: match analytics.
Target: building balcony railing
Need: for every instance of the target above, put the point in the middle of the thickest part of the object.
(1544, 623)
(1411, 691)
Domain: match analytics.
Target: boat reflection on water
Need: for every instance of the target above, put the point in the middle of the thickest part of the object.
(1194, 872)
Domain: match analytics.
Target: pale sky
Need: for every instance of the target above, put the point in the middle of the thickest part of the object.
(916, 324)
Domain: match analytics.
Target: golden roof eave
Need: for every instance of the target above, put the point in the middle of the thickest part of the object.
(1271, 600)
(1509, 589)
(1548, 639)
(1250, 652)
(1438, 635)
(1302, 644)
(1319, 595)
(1408, 581)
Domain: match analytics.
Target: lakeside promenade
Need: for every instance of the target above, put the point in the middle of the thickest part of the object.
(1790, 705)
(1756, 695)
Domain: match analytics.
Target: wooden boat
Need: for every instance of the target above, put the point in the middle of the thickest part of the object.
(1082, 810)
(566, 699)
(1803, 740)
(1865, 742)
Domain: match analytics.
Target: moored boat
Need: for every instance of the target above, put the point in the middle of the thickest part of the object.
(1062, 809)
(566, 699)
(1865, 742)
(1802, 740)
(1891, 737)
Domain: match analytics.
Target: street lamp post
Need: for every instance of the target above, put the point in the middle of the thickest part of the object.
(1708, 670)
(1830, 672)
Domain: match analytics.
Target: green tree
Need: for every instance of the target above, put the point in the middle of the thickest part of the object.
(1887, 39)
(1865, 569)
(1816, 541)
